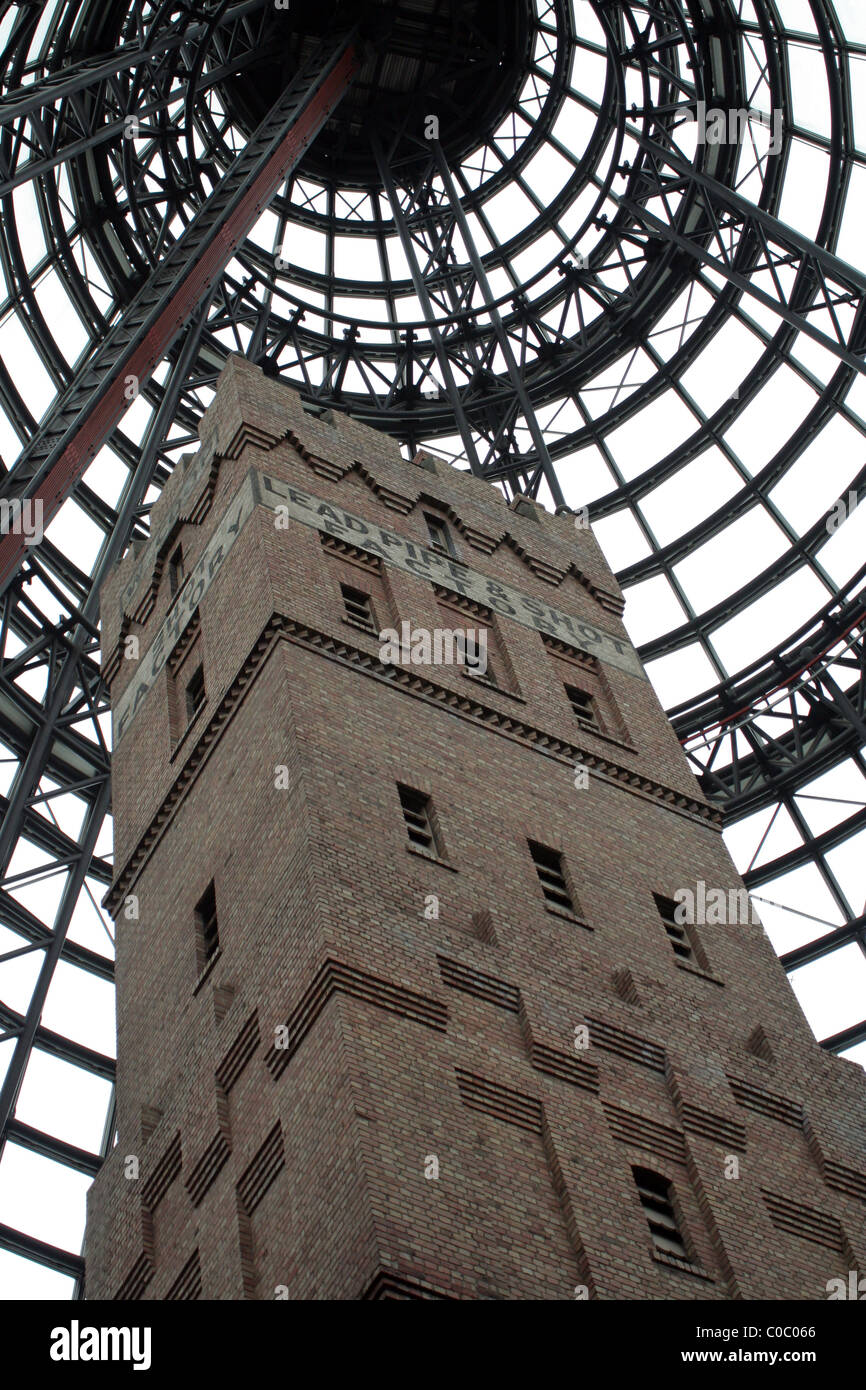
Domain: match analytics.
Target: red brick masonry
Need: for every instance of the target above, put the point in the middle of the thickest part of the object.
(288, 1103)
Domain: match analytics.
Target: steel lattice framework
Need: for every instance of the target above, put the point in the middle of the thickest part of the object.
(500, 231)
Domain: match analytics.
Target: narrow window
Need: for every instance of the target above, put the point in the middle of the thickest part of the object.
(679, 941)
(477, 653)
(583, 706)
(418, 815)
(655, 1195)
(195, 694)
(550, 867)
(678, 933)
(484, 647)
(359, 608)
(440, 536)
(206, 926)
(175, 571)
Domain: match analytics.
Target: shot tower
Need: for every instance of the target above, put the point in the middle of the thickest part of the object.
(366, 1051)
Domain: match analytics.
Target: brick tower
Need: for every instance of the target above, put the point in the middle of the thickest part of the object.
(405, 1008)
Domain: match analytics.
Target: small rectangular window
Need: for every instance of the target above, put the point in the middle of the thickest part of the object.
(583, 706)
(679, 941)
(418, 815)
(656, 1199)
(486, 658)
(358, 608)
(678, 934)
(195, 694)
(477, 656)
(550, 867)
(175, 571)
(206, 926)
(440, 536)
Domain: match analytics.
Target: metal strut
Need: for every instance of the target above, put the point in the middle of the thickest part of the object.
(87, 73)
(518, 384)
(97, 397)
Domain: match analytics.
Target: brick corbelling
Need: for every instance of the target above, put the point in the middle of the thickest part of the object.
(249, 435)
(575, 1070)
(111, 664)
(164, 1174)
(334, 472)
(185, 641)
(389, 1285)
(472, 981)
(717, 1128)
(507, 725)
(415, 685)
(152, 562)
(566, 1205)
(396, 501)
(239, 1054)
(337, 978)
(466, 605)
(844, 1179)
(208, 1168)
(363, 558)
(582, 659)
(644, 1133)
(706, 1207)
(488, 543)
(626, 986)
(631, 1046)
(148, 1233)
(503, 1103)
(485, 542)
(136, 1280)
(265, 1167)
(767, 1103)
(198, 755)
(819, 1227)
(246, 1250)
(187, 1285)
(526, 1112)
(326, 908)
(837, 1175)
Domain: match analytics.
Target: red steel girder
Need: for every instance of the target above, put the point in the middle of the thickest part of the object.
(55, 476)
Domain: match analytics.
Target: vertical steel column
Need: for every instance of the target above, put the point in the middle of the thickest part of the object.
(32, 769)
(454, 397)
(535, 430)
(96, 400)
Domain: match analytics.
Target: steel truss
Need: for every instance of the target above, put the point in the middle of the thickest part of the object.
(121, 124)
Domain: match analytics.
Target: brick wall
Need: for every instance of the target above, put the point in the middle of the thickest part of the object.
(375, 1015)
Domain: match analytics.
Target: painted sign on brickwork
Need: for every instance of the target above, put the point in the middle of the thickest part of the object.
(441, 569)
(295, 505)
